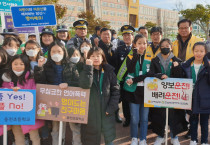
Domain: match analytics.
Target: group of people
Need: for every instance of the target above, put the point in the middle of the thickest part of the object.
(114, 70)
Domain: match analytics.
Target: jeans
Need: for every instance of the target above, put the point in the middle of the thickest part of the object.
(194, 127)
(139, 113)
(75, 128)
(45, 131)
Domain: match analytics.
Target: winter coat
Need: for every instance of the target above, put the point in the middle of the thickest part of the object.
(29, 84)
(201, 98)
(176, 119)
(99, 104)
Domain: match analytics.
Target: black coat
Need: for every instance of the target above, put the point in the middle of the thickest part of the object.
(98, 121)
(109, 53)
(177, 119)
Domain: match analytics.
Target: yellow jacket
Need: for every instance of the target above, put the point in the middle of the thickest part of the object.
(189, 51)
(149, 55)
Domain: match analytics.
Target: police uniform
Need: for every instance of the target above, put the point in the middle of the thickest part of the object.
(120, 55)
(76, 41)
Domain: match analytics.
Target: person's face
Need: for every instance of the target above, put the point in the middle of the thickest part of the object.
(47, 39)
(144, 32)
(156, 37)
(18, 65)
(56, 50)
(12, 45)
(165, 44)
(76, 54)
(141, 45)
(32, 37)
(31, 46)
(81, 32)
(62, 35)
(115, 36)
(128, 38)
(184, 29)
(106, 36)
(98, 32)
(199, 52)
(96, 58)
(85, 45)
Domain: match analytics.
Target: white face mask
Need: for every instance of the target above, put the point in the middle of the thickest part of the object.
(31, 53)
(18, 73)
(85, 48)
(11, 51)
(75, 59)
(57, 57)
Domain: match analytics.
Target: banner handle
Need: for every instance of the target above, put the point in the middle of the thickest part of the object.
(5, 135)
(60, 133)
(166, 139)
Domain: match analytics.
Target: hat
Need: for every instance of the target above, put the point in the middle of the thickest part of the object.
(80, 24)
(62, 28)
(47, 31)
(127, 29)
(10, 31)
(31, 34)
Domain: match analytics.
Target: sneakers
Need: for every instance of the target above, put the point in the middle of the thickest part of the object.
(134, 141)
(193, 142)
(159, 141)
(175, 141)
(142, 142)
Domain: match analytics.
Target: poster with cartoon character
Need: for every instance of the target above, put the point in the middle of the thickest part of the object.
(168, 93)
(69, 105)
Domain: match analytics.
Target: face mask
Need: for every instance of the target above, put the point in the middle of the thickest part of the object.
(18, 73)
(165, 51)
(11, 51)
(57, 57)
(31, 53)
(85, 48)
(75, 59)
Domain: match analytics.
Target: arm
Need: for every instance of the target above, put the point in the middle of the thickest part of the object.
(86, 77)
(39, 75)
(152, 72)
(131, 62)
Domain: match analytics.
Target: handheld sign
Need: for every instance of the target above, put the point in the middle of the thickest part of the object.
(69, 105)
(17, 108)
(6, 4)
(34, 15)
(168, 93)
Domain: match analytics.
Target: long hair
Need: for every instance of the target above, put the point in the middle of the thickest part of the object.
(3, 56)
(97, 50)
(21, 79)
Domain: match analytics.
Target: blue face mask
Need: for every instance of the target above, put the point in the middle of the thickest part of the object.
(33, 64)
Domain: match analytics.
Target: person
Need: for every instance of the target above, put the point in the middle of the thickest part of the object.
(96, 36)
(84, 48)
(62, 34)
(106, 45)
(163, 67)
(33, 51)
(21, 78)
(139, 113)
(32, 36)
(46, 38)
(182, 47)
(104, 97)
(81, 33)
(115, 40)
(143, 31)
(3, 63)
(119, 57)
(197, 68)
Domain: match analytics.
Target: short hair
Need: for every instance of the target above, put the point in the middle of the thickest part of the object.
(104, 29)
(100, 51)
(165, 39)
(113, 32)
(183, 21)
(97, 28)
(142, 27)
(156, 29)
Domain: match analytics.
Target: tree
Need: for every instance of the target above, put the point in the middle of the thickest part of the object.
(149, 25)
(90, 17)
(200, 15)
(60, 9)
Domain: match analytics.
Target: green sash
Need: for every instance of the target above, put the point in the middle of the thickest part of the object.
(101, 81)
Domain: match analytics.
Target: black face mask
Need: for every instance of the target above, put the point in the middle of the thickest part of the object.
(165, 51)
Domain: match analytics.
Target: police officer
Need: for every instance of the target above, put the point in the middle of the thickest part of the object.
(62, 34)
(120, 55)
(81, 33)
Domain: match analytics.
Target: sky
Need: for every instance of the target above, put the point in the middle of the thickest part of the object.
(171, 4)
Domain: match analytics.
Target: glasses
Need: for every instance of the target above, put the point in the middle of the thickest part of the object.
(183, 28)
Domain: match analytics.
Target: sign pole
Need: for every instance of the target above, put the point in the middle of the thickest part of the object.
(166, 139)
(37, 34)
(2, 24)
(5, 135)
(60, 133)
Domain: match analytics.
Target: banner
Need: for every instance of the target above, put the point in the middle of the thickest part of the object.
(69, 105)
(6, 4)
(168, 93)
(17, 108)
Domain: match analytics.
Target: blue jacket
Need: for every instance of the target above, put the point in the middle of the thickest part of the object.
(201, 92)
